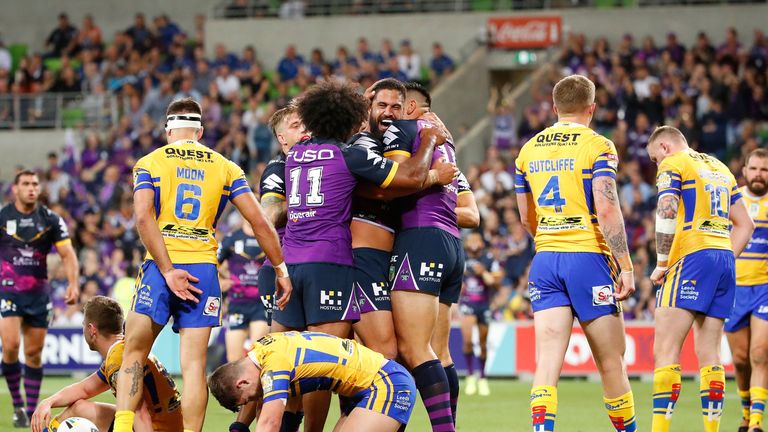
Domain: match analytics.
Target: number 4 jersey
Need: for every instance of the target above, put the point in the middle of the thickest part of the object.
(192, 185)
(707, 190)
(557, 166)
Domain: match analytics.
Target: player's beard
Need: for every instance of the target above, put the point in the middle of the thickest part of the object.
(375, 125)
(757, 187)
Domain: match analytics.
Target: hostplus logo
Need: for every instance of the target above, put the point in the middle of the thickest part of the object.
(330, 300)
(379, 289)
(431, 271)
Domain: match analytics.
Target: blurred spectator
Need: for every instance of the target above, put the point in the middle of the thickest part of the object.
(89, 36)
(288, 68)
(5, 57)
(140, 34)
(441, 65)
(501, 107)
(292, 9)
(227, 83)
(60, 41)
(409, 61)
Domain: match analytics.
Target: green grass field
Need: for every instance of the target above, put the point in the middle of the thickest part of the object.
(506, 410)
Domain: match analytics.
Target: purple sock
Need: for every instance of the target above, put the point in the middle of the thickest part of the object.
(469, 359)
(33, 378)
(482, 366)
(433, 386)
(12, 374)
(453, 385)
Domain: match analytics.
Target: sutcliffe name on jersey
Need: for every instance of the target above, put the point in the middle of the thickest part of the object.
(551, 165)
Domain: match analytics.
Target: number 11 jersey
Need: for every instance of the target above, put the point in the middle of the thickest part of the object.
(557, 167)
(320, 177)
(192, 185)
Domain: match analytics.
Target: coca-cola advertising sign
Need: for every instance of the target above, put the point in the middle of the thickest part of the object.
(525, 32)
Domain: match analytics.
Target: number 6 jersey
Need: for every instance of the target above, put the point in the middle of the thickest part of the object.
(557, 167)
(320, 177)
(192, 185)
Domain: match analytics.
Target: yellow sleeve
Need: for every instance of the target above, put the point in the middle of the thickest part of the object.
(669, 179)
(237, 182)
(606, 158)
(521, 181)
(142, 174)
(276, 376)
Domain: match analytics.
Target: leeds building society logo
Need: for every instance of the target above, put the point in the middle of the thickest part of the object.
(431, 271)
(212, 306)
(330, 298)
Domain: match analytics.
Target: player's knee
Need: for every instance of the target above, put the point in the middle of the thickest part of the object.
(758, 355)
(33, 357)
(611, 366)
(740, 359)
(11, 348)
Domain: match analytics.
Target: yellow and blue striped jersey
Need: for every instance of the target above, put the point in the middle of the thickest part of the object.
(752, 264)
(557, 167)
(294, 363)
(707, 190)
(192, 185)
(160, 394)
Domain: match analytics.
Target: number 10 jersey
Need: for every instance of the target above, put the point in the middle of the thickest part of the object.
(192, 185)
(557, 167)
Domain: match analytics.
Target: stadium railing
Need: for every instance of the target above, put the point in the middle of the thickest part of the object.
(271, 8)
(57, 110)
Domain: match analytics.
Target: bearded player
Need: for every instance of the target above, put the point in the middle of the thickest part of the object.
(747, 325)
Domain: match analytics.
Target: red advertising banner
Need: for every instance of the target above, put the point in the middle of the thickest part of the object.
(525, 32)
(639, 354)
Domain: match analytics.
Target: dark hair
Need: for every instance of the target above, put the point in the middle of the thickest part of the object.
(333, 110)
(181, 106)
(389, 84)
(105, 313)
(22, 173)
(420, 89)
(223, 384)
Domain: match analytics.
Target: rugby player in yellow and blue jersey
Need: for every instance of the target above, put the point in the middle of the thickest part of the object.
(701, 223)
(180, 191)
(103, 332)
(747, 326)
(565, 179)
(376, 394)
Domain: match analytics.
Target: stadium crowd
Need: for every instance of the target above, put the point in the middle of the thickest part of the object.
(714, 94)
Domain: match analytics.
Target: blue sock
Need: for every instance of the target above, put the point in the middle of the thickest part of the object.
(433, 386)
(453, 385)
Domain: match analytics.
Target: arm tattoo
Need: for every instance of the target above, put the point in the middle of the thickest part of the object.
(604, 191)
(606, 186)
(137, 373)
(276, 210)
(667, 209)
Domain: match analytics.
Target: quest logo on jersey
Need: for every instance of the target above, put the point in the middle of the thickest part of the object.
(602, 295)
(212, 306)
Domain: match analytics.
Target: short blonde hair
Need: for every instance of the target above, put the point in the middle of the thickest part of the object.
(668, 131)
(573, 93)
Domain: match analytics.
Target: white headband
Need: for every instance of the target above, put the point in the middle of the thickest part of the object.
(177, 121)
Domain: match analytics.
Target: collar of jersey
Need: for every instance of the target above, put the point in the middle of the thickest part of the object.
(568, 124)
(185, 141)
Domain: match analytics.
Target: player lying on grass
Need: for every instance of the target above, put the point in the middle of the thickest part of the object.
(103, 332)
(377, 395)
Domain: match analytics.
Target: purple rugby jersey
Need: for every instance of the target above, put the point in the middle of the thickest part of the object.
(273, 183)
(475, 291)
(245, 258)
(321, 175)
(25, 241)
(435, 206)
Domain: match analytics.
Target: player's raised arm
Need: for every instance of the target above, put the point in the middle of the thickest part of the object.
(743, 225)
(611, 223)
